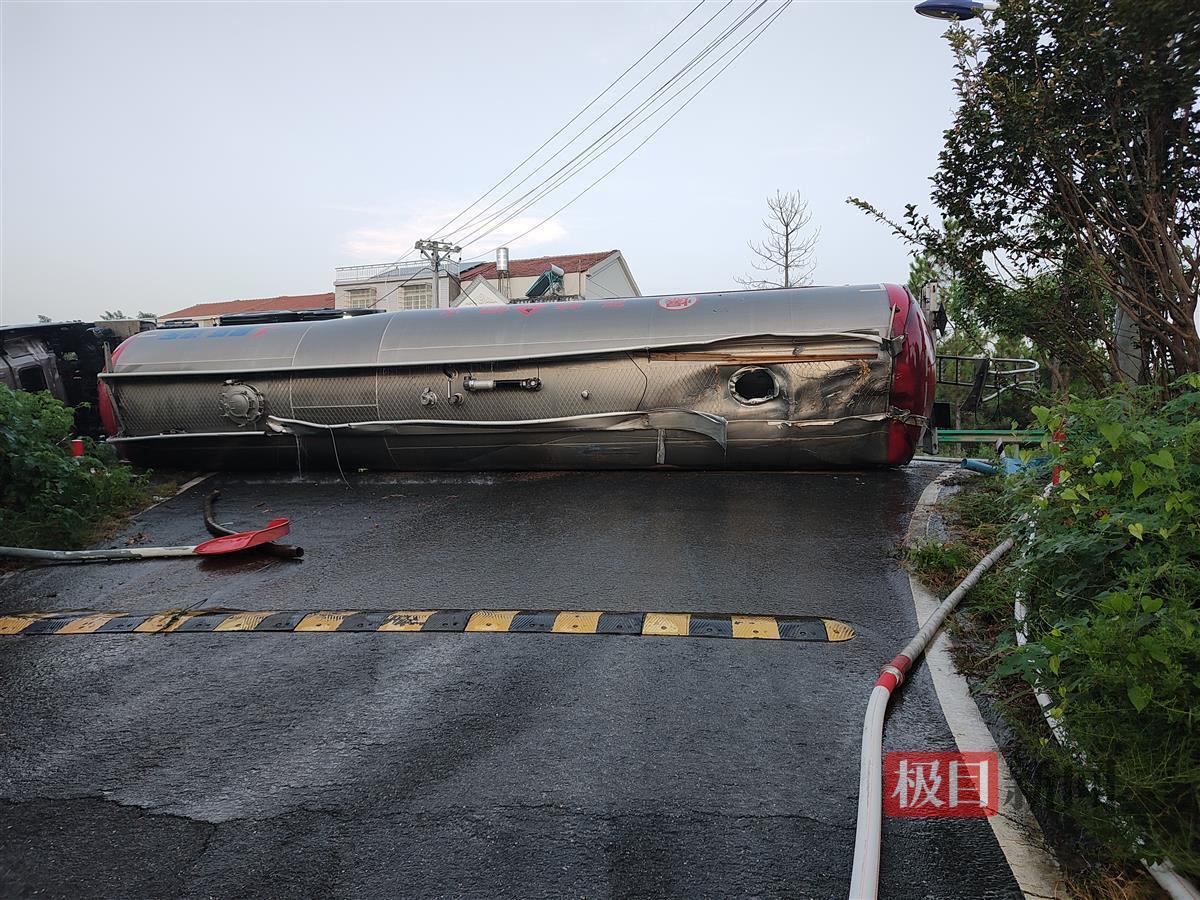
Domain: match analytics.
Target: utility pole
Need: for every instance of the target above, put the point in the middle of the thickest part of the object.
(434, 251)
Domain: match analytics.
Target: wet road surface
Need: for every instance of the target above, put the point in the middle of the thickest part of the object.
(477, 765)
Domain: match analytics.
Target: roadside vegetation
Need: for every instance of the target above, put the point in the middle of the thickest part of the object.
(1108, 564)
(48, 498)
(1065, 230)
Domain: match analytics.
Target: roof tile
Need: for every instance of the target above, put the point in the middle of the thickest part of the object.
(529, 268)
(266, 304)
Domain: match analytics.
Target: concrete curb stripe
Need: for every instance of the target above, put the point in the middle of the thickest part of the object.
(499, 621)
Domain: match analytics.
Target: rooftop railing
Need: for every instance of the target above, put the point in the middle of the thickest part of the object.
(391, 271)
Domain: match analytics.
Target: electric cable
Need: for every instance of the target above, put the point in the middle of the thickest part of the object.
(483, 214)
(752, 38)
(592, 102)
(744, 43)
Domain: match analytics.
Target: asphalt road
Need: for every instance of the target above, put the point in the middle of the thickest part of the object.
(477, 765)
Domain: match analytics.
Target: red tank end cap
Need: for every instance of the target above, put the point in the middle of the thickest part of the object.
(108, 418)
(913, 377)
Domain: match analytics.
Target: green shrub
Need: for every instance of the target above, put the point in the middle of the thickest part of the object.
(1112, 582)
(48, 498)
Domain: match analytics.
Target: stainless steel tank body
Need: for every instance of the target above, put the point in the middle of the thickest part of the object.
(800, 378)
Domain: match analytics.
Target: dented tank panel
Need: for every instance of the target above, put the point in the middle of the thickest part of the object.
(752, 379)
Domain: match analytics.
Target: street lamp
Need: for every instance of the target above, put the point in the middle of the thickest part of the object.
(958, 10)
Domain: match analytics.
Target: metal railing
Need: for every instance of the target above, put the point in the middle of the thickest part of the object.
(995, 373)
(391, 271)
(990, 435)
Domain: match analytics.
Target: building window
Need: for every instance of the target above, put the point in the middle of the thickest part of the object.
(360, 298)
(418, 296)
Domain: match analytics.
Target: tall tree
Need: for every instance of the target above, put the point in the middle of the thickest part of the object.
(785, 257)
(1072, 173)
(110, 314)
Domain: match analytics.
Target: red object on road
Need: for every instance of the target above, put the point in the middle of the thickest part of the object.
(243, 540)
(77, 447)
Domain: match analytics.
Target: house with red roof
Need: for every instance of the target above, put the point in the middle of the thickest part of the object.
(208, 313)
(567, 276)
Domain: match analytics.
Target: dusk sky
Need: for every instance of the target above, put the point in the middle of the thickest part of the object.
(160, 155)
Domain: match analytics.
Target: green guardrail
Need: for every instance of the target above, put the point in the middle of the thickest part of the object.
(990, 435)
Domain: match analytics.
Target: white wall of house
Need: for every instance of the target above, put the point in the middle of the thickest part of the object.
(610, 278)
(395, 294)
(479, 292)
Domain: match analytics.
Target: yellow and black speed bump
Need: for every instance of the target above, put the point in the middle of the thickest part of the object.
(509, 621)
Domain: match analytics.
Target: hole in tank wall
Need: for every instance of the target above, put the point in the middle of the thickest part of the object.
(753, 385)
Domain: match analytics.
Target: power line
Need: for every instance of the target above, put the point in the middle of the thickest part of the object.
(569, 122)
(744, 43)
(610, 138)
(483, 214)
(573, 118)
(753, 37)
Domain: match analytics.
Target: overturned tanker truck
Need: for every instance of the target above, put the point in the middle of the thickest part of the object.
(808, 378)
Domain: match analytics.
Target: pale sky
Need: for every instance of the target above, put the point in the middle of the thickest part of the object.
(157, 155)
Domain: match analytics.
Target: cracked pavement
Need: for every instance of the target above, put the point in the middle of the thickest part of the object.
(477, 765)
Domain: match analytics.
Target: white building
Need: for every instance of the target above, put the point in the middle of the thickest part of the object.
(392, 287)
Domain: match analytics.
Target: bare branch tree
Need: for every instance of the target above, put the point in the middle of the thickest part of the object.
(786, 256)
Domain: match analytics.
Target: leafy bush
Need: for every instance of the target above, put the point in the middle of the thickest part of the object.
(48, 498)
(1112, 583)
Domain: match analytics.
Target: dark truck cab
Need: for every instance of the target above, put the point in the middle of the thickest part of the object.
(63, 358)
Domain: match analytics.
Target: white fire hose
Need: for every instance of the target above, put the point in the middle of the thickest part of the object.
(864, 881)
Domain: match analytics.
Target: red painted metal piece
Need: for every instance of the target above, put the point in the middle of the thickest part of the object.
(243, 540)
(104, 406)
(77, 447)
(914, 378)
(894, 673)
